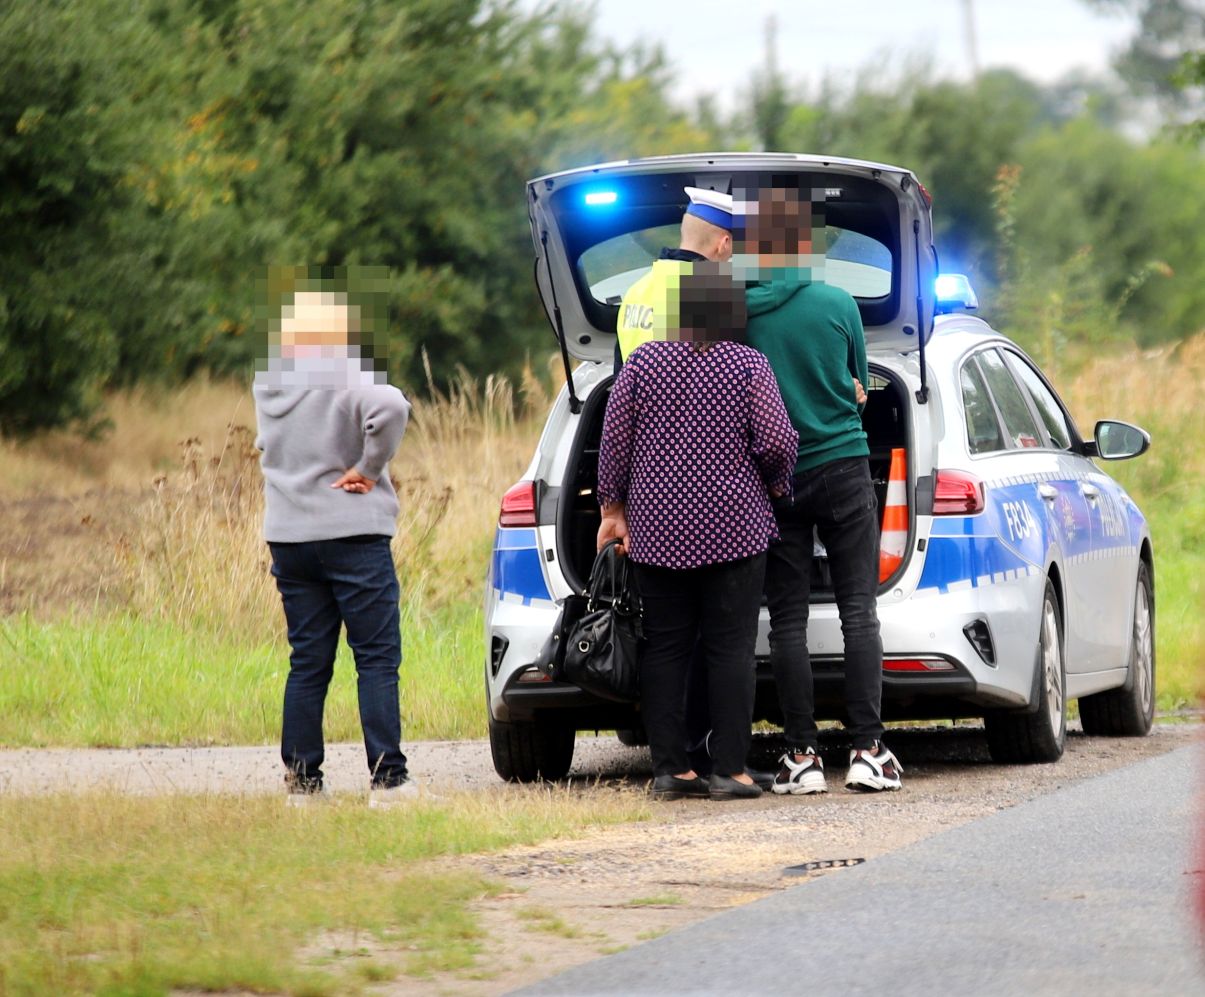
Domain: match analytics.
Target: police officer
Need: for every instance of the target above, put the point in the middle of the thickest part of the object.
(706, 235)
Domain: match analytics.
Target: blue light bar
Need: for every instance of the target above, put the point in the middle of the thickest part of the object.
(953, 290)
(599, 197)
(948, 286)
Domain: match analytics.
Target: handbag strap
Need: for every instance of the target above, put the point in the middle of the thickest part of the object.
(610, 579)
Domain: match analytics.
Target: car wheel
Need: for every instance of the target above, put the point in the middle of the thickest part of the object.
(1129, 712)
(634, 737)
(529, 751)
(1021, 736)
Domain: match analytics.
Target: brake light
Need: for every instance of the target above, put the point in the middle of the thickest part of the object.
(956, 493)
(519, 505)
(917, 665)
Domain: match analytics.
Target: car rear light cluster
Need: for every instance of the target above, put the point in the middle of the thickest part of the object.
(956, 493)
(917, 665)
(519, 505)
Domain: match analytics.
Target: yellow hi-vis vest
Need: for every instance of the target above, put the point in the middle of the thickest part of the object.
(644, 309)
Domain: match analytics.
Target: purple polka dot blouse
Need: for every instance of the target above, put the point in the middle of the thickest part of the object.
(692, 443)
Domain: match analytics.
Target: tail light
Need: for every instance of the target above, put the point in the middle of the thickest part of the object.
(956, 493)
(519, 505)
(917, 665)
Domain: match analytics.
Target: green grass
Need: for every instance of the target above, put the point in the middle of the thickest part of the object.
(121, 681)
(662, 900)
(542, 919)
(1172, 500)
(103, 894)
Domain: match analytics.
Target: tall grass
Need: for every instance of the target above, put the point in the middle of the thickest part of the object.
(180, 638)
(1161, 391)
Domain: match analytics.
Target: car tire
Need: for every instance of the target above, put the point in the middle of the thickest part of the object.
(531, 751)
(633, 737)
(1129, 712)
(1023, 737)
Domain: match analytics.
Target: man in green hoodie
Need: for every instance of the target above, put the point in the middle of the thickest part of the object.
(811, 332)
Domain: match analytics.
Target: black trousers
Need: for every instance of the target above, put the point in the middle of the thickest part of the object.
(716, 606)
(837, 499)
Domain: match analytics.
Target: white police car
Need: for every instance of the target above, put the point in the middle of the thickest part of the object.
(1022, 575)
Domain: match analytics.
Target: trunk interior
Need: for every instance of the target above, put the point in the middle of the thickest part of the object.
(884, 419)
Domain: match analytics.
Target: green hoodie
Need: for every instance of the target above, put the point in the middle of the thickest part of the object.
(812, 336)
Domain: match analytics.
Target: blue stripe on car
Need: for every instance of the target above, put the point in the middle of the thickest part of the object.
(516, 568)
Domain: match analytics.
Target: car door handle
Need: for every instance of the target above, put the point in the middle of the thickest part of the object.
(1090, 492)
(1048, 492)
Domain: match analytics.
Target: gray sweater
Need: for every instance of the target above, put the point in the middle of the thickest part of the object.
(317, 418)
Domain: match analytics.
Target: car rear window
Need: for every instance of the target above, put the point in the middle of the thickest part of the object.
(613, 229)
(854, 262)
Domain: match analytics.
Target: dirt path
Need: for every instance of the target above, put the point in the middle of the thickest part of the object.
(571, 901)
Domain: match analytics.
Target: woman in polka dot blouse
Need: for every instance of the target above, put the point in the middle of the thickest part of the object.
(695, 442)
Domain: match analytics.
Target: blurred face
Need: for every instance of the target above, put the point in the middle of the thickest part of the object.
(317, 323)
(708, 307)
(777, 235)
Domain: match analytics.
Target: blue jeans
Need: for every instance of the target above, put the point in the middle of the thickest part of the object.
(837, 499)
(325, 584)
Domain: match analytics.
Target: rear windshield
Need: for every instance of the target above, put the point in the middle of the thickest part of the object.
(854, 262)
(614, 231)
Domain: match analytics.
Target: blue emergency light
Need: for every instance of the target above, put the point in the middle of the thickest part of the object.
(597, 198)
(953, 291)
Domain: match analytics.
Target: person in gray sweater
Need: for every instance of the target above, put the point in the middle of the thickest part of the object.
(327, 428)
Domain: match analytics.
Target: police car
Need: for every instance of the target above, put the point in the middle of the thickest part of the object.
(1015, 574)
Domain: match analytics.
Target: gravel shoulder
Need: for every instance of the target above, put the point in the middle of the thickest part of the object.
(567, 902)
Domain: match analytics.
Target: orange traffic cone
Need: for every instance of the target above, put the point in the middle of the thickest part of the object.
(894, 536)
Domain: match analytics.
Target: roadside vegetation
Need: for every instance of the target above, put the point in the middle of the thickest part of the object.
(157, 622)
(109, 894)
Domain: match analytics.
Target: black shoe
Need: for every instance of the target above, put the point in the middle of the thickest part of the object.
(724, 787)
(670, 787)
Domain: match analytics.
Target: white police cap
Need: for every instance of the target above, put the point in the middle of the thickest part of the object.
(710, 205)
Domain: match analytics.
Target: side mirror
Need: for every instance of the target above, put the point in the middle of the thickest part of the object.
(953, 291)
(1119, 440)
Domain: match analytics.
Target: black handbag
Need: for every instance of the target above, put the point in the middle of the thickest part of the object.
(600, 649)
(551, 659)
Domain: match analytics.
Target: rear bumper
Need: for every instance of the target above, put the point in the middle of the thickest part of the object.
(920, 696)
(911, 626)
(581, 709)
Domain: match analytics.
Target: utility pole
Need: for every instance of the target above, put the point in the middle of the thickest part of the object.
(972, 42)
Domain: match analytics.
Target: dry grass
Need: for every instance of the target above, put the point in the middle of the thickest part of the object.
(149, 539)
(162, 516)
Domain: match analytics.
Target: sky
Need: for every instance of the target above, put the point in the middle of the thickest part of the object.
(715, 45)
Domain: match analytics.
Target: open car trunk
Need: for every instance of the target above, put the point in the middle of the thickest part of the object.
(884, 420)
(596, 230)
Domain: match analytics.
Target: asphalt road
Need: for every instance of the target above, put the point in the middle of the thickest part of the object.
(1086, 890)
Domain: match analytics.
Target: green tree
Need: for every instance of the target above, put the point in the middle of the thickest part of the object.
(72, 253)
(1171, 33)
(157, 154)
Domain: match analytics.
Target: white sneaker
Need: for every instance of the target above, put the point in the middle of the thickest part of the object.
(800, 778)
(874, 769)
(395, 796)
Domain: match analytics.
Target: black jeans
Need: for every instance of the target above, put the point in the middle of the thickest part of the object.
(323, 584)
(838, 500)
(717, 606)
